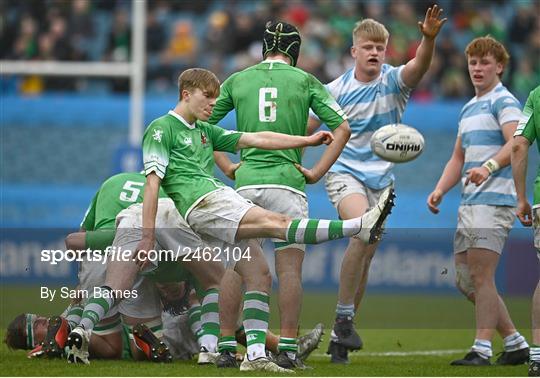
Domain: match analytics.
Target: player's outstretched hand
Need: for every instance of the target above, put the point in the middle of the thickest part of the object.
(432, 23)
(476, 175)
(524, 213)
(434, 200)
(321, 137)
(141, 253)
(311, 177)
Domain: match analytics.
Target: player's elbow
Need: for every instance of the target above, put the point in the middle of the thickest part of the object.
(519, 145)
(343, 132)
(76, 241)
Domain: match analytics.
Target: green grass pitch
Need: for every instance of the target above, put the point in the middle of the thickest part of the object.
(404, 335)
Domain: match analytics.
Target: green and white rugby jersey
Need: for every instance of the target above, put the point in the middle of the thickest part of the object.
(115, 194)
(274, 96)
(182, 156)
(529, 127)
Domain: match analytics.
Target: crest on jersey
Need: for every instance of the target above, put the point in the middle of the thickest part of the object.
(204, 140)
(157, 135)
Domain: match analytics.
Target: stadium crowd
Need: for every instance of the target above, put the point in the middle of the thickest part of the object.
(224, 36)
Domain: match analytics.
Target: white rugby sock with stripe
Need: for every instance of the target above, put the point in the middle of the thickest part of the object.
(483, 348)
(514, 342)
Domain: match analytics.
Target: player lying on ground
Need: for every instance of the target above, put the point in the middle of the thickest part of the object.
(178, 155)
(32, 332)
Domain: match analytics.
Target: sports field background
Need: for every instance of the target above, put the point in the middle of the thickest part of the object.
(404, 335)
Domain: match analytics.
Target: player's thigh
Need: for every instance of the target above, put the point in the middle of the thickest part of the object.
(352, 206)
(121, 269)
(220, 215)
(173, 233)
(261, 223)
(348, 195)
(460, 258)
(288, 256)
(208, 273)
(482, 262)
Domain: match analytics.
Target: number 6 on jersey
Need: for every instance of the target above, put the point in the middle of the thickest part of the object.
(265, 104)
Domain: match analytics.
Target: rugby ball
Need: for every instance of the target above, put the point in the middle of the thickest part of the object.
(397, 143)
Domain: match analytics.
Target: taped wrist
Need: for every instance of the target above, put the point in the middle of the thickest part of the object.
(492, 166)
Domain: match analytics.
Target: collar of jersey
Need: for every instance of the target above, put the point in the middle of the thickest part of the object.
(181, 119)
(490, 92)
(277, 60)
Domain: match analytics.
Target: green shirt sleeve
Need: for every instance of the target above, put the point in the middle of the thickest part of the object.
(224, 103)
(89, 219)
(526, 127)
(324, 105)
(223, 140)
(157, 142)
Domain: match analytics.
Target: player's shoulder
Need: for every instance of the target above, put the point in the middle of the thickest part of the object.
(390, 73)
(206, 126)
(501, 97)
(387, 69)
(535, 93)
(501, 91)
(465, 109)
(234, 76)
(342, 80)
(164, 121)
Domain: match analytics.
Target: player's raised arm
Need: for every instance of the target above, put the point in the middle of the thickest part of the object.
(415, 69)
(268, 140)
(450, 177)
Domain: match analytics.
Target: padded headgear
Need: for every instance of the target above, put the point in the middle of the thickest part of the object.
(282, 37)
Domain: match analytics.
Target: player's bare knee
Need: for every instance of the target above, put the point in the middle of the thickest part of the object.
(276, 221)
(259, 282)
(480, 278)
(363, 251)
(464, 281)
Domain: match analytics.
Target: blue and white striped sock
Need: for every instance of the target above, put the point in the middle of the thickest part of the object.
(514, 342)
(535, 353)
(483, 348)
(345, 310)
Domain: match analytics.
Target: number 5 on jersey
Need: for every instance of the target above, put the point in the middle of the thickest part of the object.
(131, 190)
(267, 105)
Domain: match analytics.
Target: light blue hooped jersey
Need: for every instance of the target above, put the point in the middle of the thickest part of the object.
(481, 125)
(368, 107)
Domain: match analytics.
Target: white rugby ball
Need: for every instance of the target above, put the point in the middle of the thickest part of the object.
(397, 143)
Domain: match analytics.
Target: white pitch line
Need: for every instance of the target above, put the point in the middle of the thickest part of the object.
(441, 352)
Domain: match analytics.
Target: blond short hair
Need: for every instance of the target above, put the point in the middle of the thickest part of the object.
(488, 45)
(198, 78)
(370, 29)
